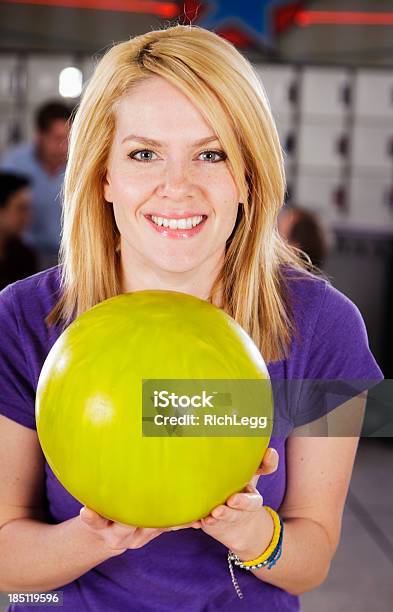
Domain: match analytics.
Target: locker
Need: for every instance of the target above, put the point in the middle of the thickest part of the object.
(323, 145)
(374, 94)
(43, 77)
(371, 202)
(323, 193)
(8, 78)
(280, 83)
(325, 91)
(373, 147)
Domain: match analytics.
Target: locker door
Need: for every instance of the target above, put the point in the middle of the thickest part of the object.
(371, 202)
(373, 148)
(324, 92)
(280, 85)
(374, 94)
(321, 144)
(323, 193)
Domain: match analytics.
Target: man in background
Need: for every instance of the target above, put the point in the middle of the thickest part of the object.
(17, 260)
(43, 162)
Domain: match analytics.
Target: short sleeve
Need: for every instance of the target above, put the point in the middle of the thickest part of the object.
(340, 364)
(17, 394)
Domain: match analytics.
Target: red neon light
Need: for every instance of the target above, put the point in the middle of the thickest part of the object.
(235, 36)
(307, 18)
(162, 9)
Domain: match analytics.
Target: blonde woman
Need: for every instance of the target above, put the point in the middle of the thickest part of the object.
(175, 124)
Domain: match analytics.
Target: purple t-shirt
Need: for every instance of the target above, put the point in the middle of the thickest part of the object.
(183, 570)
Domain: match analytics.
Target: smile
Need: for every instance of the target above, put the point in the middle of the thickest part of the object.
(184, 227)
(185, 223)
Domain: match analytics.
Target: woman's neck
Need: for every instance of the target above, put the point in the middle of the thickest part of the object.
(142, 276)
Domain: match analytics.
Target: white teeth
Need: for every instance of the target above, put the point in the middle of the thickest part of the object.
(178, 223)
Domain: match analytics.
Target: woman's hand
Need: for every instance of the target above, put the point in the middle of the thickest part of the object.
(241, 524)
(234, 524)
(118, 536)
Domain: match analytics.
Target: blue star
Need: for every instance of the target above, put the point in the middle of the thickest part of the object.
(254, 16)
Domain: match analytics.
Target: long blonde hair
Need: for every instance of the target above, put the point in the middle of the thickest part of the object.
(226, 89)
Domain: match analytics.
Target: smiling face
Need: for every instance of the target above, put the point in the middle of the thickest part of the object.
(160, 190)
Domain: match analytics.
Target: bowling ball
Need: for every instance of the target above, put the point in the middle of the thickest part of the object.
(97, 397)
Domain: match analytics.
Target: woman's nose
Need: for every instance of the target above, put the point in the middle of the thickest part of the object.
(176, 179)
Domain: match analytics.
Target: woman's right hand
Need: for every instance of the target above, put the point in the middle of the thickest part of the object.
(119, 537)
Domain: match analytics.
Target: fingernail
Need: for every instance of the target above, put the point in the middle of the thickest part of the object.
(236, 501)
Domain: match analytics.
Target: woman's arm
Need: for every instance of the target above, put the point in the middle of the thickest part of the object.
(318, 475)
(312, 511)
(319, 470)
(35, 555)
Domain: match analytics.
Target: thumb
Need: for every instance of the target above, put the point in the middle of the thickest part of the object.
(93, 519)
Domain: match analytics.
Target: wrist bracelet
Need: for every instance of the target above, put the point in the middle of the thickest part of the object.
(268, 558)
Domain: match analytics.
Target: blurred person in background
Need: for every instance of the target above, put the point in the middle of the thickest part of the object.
(17, 260)
(43, 162)
(303, 229)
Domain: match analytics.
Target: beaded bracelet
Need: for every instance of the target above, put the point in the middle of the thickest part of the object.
(268, 558)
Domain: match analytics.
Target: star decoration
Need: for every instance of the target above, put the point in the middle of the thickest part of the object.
(254, 16)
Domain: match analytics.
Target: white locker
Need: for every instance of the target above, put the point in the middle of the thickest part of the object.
(280, 83)
(324, 92)
(371, 202)
(8, 78)
(322, 145)
(374, 94)
(43, 77)
(372, 148)
(323, 193)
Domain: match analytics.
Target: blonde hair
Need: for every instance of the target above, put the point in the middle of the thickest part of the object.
(217, 78)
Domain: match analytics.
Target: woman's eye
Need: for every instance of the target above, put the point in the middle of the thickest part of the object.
(143, 151)
(221, 154)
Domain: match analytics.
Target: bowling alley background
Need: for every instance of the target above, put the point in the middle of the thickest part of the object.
(327, 67)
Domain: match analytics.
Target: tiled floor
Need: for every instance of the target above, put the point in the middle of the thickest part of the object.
(361, 575)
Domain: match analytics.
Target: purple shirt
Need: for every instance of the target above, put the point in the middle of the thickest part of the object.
(184, 570)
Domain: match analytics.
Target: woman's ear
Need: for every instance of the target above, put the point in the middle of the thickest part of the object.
(107, 189)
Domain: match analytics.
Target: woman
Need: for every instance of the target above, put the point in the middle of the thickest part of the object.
(144, 152)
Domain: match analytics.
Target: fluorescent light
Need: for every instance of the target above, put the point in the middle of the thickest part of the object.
(70, 82)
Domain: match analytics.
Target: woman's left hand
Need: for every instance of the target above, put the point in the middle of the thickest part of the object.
(237, 523)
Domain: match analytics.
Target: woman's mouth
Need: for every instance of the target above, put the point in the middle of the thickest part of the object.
(185, 227)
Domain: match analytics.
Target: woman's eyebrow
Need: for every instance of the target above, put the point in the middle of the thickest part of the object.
(157, 143)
